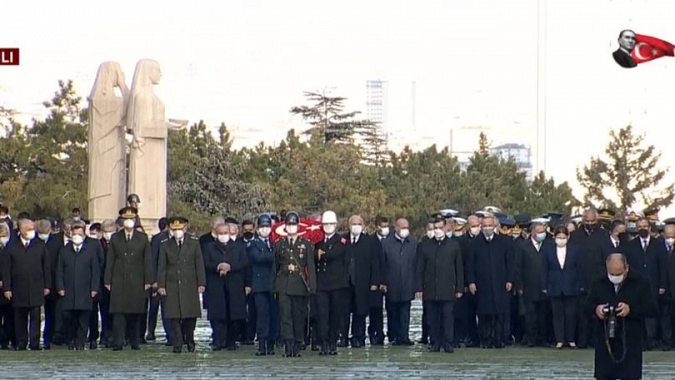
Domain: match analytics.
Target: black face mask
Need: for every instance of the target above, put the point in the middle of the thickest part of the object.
(643, 233)
(590, 226)
(248, 235)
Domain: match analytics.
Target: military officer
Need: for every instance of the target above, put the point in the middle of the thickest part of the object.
(180, 281)
(524, 222)
(295, 280)
(128, 277)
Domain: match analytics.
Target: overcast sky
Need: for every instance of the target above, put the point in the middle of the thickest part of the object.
(246, 63)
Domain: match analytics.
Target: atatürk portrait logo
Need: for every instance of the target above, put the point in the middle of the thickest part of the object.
(9, 56)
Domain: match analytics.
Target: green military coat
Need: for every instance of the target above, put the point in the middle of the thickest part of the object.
(296, 279)
(181, 272)
(128, 269)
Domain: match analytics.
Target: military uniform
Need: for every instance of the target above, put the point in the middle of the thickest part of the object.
(295, 280)
(128, 275)
(181, 278)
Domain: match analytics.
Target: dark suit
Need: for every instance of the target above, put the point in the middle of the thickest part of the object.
(332, 287)
(466, 327)
(27, 273)
(536, 306)
(128, 270)
(563, 287)
(54, 328)
(6, 312)
(376, 312)
(153, 310)
(651, 264)
(623, 59)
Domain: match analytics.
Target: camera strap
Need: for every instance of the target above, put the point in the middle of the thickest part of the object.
(609, 346)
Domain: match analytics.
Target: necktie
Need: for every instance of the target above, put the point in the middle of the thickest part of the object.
(128, 237)
(77, 248)
(644, 246)
(180, 243)
(353, 240)
(616, 244)
(267, 243)
(670, 249)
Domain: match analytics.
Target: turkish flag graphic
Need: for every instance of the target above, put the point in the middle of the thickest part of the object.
(650, 48)
(308, 228)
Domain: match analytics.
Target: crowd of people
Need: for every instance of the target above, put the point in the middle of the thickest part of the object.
(485, 280)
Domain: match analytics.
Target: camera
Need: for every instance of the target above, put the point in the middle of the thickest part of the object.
(610, 313)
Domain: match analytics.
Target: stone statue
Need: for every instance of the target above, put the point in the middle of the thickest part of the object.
(148, 157)
(106, 143)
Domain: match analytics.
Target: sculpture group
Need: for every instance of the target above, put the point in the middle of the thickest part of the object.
(140, 113)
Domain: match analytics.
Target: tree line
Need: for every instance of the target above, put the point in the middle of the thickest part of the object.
(340, 163)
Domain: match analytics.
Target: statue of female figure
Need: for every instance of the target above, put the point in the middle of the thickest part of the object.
(106, 143)
(148, 157)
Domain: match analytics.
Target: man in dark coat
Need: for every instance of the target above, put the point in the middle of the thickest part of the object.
(226, 263)
(465, 310)
(180, 281)
(295, 281)
(667, 301)
(77, 283)
(128, 277)
(153, 310)
(400, 274)
(364, 276)
(589, 238)
(210, 237)
(376, 312)
(647, 256)
(440, 281)
(332, 283)
(620, 356)
(622, 56)
(529, 257)
(54, 330)
(261, 257)
(108, 227)
(491, 274)
(6, 311)
(26, 276)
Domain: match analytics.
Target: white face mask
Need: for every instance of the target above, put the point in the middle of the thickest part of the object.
(329, 229)
(43, 237)
(107, 235)
(264, 232)
(488, 231)
(430, 234)
(4, 240)
(474, 230)
(30, 235)
(384, 231)
(403, 233)
(292, 229)
(540, 237)
(178, 234)
(561, 242)
(77, 239)
(439, 233)
(129, 223)
(670, 241)
(356, 230)
(224, 238)
(616, 280)
(458, 233)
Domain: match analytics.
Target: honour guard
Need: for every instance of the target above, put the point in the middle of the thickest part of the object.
(295, 280)
(180, 281)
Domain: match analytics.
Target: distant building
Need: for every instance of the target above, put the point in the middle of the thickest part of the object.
(376, 102)
(521, 154)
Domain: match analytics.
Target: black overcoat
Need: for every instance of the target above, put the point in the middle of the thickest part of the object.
(226, 293)
(78, 274)
(26, 272)
(128, 270)
(491, 265)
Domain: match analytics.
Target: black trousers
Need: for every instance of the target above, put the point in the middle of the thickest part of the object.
(536, 321)
(27, 319)
(144, 320)
(666, 320)
(564, 309)
(54, 328)
(77, 324)
(153, 315)
(585, 327)
(7, 331)
(248, 335)
(398, 318)
(426, 334)
(491, 328)
(181, 329)
(331, 310)
(466, 326)
(220, 332)
(267, 316)
(376, 323)
(441, 318)
(358, 321)
(293, 317)
(104, 329)
(127, 325)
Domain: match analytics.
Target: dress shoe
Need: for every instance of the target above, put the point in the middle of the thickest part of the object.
(191, 347)
(135, 348)
(177, 350)
(423, 341)
(150, 337)
(117, 348)
(270, 347)
(262, 348)
(332, 349)
(342, 343)
(297, 347)
(288, 349)
(435, 348)
(93, 345)
(35, 347)
(167, 343)
(324, 349)
(449, 349)
(216, 347)
(143, 341)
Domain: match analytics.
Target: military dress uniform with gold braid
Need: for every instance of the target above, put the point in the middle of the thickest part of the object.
(295, 280)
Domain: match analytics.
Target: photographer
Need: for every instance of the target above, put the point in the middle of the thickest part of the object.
(621, 300)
